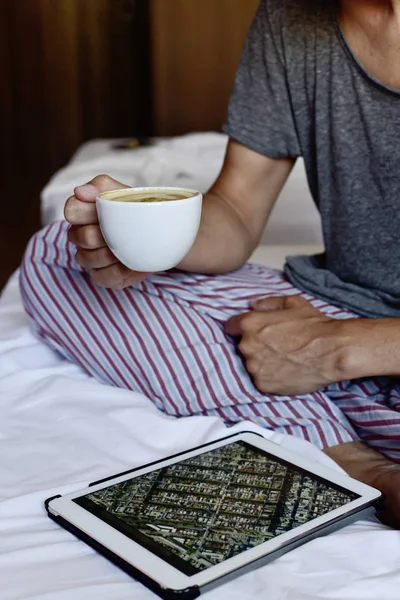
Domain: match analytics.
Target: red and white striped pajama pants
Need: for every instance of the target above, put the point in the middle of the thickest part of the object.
(165, 338)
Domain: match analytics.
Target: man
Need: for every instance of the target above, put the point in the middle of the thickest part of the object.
(317, 79)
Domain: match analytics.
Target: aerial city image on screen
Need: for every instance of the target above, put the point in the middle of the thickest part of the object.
(216, 505)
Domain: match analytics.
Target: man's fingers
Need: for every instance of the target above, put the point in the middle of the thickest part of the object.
(250, 322)
(116, 276)
(279, 303)
(88, 237)
(96, 259)
(93, 253)
(80, 213)
(101, 183)
(233, 326)
(111, 276)
(80, 209)
(86, 192)
(134, 278)
(256, 320)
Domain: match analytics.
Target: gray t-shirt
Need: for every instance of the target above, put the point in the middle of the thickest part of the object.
(300, 91)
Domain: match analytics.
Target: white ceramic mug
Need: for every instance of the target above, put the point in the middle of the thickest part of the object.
(149, 236)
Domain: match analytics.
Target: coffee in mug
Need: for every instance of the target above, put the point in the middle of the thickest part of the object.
(144, 196)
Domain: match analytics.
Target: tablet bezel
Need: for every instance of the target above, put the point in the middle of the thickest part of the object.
(169, 577)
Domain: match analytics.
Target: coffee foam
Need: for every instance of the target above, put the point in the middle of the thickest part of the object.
(148, 195)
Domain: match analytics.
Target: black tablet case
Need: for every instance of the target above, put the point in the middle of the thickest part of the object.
(194, 591)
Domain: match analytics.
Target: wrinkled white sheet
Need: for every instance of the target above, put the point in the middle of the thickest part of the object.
(59, 430)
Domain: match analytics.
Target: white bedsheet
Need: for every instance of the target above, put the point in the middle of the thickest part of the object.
(59, 430)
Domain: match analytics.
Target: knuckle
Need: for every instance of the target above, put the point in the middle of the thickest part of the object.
(90, 236)
(80, 213)
(295, 302)
(102, 181)
(104, 257)
(289, 302)
(108, 276)
(70, 209)
(246, 324)
(71, 234)
(80, 258)
(96, 277)
(100, 278)
(99, 258)
(245, 346)
(121, 271)
(252, 365)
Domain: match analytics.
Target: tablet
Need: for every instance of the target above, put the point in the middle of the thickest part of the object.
(190, 522)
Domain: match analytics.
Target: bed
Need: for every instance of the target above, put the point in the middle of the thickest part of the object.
(60, 429)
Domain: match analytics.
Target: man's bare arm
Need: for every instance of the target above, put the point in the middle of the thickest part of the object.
(291, 348)
(236, 210)
(234, 215)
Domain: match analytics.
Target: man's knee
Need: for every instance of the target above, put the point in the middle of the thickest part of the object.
(48, 250)
(49, 247)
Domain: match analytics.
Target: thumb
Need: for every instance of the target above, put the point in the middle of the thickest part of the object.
(101, 183)
(278, 303)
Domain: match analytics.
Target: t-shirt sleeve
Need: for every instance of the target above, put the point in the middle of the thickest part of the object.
(260, 114)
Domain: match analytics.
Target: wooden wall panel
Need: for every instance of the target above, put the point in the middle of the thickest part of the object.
(71, 70)
(7, 114)
(196, 46)
(60, 70)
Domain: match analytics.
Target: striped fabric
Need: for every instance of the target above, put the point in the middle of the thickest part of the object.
(165, 338)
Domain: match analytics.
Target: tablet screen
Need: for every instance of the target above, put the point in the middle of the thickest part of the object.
(203, 510)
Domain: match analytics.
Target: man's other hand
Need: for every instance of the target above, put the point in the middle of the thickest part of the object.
(289, 347)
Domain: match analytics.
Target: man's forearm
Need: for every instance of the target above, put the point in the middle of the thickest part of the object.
(223, 243)
(370, 347)
(236, 210)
